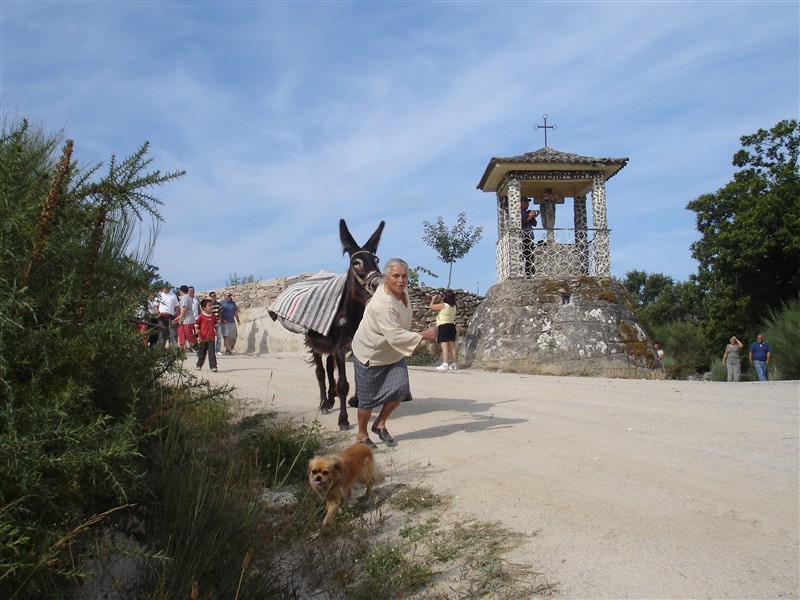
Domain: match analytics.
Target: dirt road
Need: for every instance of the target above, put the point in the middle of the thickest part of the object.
(624, 488)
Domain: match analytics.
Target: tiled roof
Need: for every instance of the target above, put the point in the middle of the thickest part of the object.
(550, 157)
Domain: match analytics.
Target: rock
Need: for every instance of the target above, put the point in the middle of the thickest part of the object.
(564, 326)
(276, 500)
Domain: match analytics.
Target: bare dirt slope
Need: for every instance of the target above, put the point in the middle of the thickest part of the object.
(624, 488)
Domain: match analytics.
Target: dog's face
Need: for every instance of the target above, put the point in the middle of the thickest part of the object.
(324, 471)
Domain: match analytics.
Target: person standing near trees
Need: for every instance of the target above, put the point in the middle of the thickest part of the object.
(732, 360)
(446, 328)
(659, 351)
(152, 319)
(760, 354)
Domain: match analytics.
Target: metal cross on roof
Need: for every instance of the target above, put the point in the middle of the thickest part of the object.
(545, 127)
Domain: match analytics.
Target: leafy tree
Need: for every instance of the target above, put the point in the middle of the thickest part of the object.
(657, 299)
(414, 278)
(451, 244)
(749, 249)
(234, 279)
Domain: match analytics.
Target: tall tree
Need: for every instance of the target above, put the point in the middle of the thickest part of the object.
(749, 249)
(658, 300)
(451, 244)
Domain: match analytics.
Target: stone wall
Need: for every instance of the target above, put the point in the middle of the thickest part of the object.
(466, 305)
(259, 334)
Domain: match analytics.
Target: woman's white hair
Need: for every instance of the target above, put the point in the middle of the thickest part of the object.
(394, 262)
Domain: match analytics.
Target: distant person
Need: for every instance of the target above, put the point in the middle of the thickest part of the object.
(141, 321)
(195, 303)
(230, 321)
(167, 303)
(216, 309)
(380, 347)
(659, 363)
(445, 305)
(206, 328)
(732, 360)
(528, 220)
(760, 354)
(528, 216)
(185, 320)
(152, 320)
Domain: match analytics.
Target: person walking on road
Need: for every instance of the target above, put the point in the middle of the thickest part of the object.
(732, 360)
(230, 321)
(760, 355)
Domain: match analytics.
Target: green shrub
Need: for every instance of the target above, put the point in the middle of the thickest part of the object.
(76, 383)
(425, 355)
(684, 348)
(719, 372)
(782, 333)
(278, 449)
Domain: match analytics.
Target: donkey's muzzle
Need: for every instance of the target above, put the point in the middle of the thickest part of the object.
(374, 281)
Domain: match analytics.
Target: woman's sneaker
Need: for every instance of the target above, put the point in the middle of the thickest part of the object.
(442, 367)
(453, 367)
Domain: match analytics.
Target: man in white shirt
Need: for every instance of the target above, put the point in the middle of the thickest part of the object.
(167, 303)
(186, 318)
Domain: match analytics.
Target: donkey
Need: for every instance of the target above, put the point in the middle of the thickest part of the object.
(363, 278)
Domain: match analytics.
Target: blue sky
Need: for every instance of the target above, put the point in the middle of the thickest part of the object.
(288, 116)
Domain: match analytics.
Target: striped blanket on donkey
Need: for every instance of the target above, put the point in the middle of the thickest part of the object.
(310, 304)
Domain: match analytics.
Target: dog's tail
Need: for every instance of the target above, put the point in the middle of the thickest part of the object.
(376, 475)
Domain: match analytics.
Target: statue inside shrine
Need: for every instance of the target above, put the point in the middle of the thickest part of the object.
(547, 205)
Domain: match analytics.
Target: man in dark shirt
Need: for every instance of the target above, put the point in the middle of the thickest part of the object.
(230, 321)
(760, 353)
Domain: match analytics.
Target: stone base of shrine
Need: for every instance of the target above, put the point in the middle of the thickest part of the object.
(560, 326)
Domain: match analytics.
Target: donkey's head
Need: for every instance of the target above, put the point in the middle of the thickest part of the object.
(363, 260)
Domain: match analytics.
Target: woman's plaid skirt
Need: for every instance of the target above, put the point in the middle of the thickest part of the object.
(376, 386)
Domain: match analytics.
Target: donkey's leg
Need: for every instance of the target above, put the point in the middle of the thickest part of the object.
(330, 366)
(342, 389)
(319, 369)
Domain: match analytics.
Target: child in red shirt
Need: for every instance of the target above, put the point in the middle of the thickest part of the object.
(205, 328)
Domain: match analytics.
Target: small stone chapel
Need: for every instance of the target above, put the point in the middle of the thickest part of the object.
(555, 307)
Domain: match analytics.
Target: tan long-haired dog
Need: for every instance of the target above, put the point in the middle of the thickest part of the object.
(333, 476)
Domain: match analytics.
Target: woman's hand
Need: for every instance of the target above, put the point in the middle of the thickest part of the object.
(429, 334)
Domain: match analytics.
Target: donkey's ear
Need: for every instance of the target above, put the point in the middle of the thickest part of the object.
(374, 240)
(348, 243)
